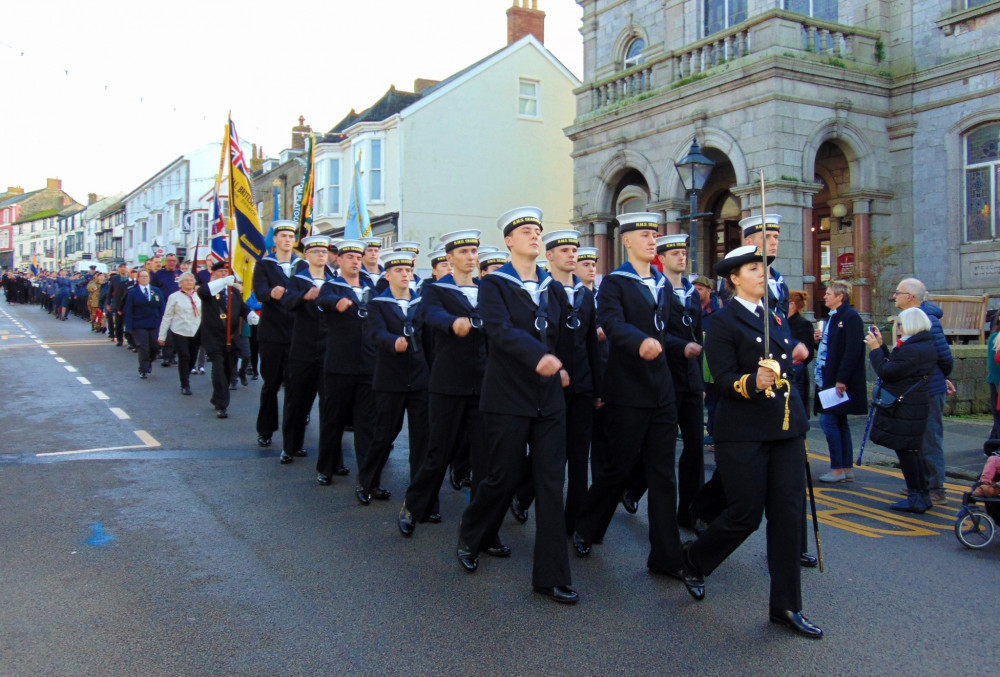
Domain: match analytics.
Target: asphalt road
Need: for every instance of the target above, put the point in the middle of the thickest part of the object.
(182, 548)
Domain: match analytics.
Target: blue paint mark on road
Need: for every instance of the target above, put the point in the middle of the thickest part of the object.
(99, 538)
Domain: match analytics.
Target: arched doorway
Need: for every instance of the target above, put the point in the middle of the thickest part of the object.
(720, 232)
(832, 228)
(631, 195)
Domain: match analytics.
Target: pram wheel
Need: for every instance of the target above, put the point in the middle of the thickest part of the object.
(974, 528)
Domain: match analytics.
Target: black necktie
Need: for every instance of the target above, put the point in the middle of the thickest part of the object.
(760, 312)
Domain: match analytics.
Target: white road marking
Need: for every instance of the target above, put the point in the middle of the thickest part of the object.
(90, 451)
(120, 413)
(52, 352)
(70, 369)
(147, 438)
(82, 380)
(60, 360)
(100, 395)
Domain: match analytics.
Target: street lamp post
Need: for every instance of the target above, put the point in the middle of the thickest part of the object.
(694, 170)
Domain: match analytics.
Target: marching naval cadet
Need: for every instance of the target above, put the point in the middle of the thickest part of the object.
(578, 350)
(753, 234)
(451, 309)
(399, 383)
(760, 451)
(440, 266)
(221, 307)
(634, 308)
(369, 261)
(523, 407)
(684, 344)
(274, 333)
(491, 261)
(415, 280)
(586, 270)
(307, 350)
(348, 367)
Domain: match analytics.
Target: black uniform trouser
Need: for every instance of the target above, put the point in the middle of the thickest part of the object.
(345, 397)
(390, 408)
(305, 381)
(183, 346)
(507, 438)
(145, 341)
(579, 427)
(223, 366)
(646, 435)
(273, 368)
(760, 478)
(691, 465)
(168, 348)
(452, 419)
(119, 328)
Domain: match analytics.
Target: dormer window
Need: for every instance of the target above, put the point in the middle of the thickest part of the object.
(633, 55)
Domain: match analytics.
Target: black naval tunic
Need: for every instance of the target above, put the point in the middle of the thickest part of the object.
(219, 312)
(347, 375)
(641, 418)
(274, 336)
(760, 464)
(521, 409)
(305, 359)
(399, 385)
(454, 391)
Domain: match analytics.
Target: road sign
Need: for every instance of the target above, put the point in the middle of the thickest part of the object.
(186, 224)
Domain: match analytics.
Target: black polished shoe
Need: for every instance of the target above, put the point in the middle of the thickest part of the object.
(693, 580)
(808, 561)
(243, 380)
(221, 413)
(263, 441)
(560, 593)
(467, 558)
(580, 545)
(301, 453)
(342, 471)
(795, 621)
(143, 375)
(434, 518)
(324, 479)
(285, 458)
(631, 506)
(405, 521)
(364, 497)
(380, 493)
(165, 363)
(519, 513)
(456, 481)
(185, 390)
(498, 549)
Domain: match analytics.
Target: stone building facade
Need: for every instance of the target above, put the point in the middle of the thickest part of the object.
(874, 123)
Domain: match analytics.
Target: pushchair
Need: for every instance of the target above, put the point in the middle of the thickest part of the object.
(976, 524)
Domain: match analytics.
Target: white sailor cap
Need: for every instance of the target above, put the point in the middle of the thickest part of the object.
(438, 255)
(396, 258)
(639, 221)
(352, 247)
(558, 238)
(488, 249)
(520, 216)
(372, 242)
(284, 225)
(752, 224)
(489, 258)
(587, 254)
(677, 241)
(543, 263)
(738, 257)
(312, 241)
(407, 247)
(460, 238)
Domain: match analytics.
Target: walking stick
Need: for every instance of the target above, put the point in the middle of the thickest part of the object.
(812, 505)
(868, 429)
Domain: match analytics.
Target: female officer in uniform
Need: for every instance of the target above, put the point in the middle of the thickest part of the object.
(761, 451)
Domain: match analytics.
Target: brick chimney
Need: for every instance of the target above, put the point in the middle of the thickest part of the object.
(15, 190)
(524, 20)
(91, 198)
(53, 184)
(299, 134)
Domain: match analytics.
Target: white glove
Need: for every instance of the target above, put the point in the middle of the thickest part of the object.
(216, 286)
(253, 318)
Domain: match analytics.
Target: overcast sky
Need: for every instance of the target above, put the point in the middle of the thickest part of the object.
(104, 93)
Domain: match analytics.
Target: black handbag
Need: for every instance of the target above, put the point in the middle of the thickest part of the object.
(885, 400)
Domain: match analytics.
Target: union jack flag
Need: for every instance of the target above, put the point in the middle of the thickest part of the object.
(235, 152)
(220, 234)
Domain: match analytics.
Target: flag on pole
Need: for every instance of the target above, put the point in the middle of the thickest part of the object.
(219, 238)
(34, 263)
(243, 216)
(358, 224)
(306, 198)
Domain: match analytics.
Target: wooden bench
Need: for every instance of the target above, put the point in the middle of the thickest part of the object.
(964, 316)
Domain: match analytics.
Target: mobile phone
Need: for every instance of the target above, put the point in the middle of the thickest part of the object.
(873, 329)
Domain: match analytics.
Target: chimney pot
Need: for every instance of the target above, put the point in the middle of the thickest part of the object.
(523, 20)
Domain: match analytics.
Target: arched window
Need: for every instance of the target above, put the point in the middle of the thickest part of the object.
(982, 176)
(633, 55)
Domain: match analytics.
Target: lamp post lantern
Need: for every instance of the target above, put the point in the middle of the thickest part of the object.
(694, 170)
